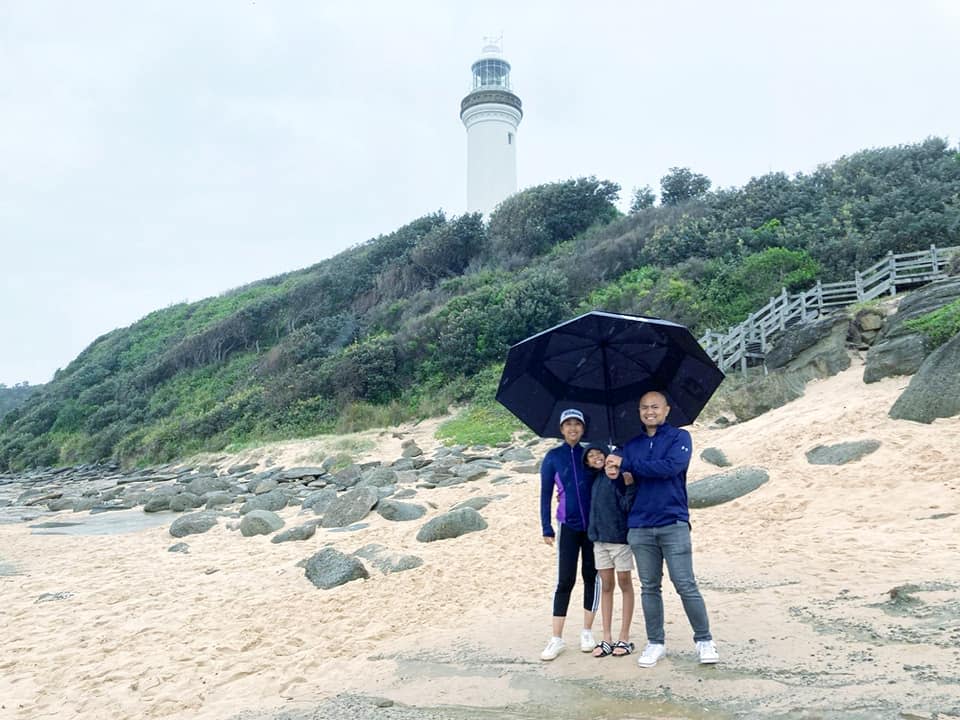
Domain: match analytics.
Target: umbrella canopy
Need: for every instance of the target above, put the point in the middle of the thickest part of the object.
(602, 363)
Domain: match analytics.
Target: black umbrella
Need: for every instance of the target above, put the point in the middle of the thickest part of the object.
(602, 363)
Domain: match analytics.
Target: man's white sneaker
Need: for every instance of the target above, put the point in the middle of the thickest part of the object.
(587, 643)
(651, 654)
(553, 648)
(708, 652)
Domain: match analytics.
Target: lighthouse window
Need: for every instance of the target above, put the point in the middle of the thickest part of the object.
(509, 138)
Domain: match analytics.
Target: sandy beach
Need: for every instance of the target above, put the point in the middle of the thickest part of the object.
(833, 592)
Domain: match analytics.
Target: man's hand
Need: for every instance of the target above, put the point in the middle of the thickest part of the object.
(548, 539)
(628, 478)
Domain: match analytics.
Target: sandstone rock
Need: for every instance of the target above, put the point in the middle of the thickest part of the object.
(411, 450)
(156, 502)
(329, 568)
(934, 392)
(301, 532)
(400, 511)
(273, 501)
(260, 522)
(348, 477)
(350, 507)
(841, 453)
(185, 501)
(900, 355)
(193, 524)
(477, 503)
(722, 488)
(219, 498)
(378, 477)
(452, 524)
(520, 454)
(893, 353)
(714, 456)
(319, 500)
(297, 473)
(203, 485)
(262, 486)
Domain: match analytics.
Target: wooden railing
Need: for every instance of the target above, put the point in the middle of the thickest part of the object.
(747, 343)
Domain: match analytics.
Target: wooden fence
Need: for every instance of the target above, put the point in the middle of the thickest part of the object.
(747, 343)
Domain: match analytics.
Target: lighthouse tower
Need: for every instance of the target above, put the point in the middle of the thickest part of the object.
(491, 113)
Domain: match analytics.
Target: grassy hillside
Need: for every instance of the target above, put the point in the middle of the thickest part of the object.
(405, 323)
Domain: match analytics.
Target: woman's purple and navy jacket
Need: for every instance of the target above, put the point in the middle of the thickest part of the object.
(562, 470)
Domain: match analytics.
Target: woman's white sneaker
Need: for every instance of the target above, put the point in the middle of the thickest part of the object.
(651, 654)
(587, 641)
(554, 647)
(707, 650)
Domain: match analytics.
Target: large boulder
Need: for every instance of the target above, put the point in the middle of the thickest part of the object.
(378, 477)
(329, 568)
(208, 483)
(193, 524)
(724, 487)
(841, 453)
(765, 393)
(800, 344)
(351, 507)
(516, 454)
(319, 500)
(715, 456)
(801, 354)
(348, 477)
(156, 502)
(301, 532)
(452, 524)
(901, 355)
(185, 501)
(934, 392)
(400, 511)
(273, 501)
(260, 522)
(900, 349)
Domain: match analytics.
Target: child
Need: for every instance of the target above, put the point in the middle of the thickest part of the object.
(611, 499)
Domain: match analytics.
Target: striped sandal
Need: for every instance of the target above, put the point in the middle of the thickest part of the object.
(603, 649)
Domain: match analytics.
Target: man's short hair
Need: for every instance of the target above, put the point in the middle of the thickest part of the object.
(661, 393)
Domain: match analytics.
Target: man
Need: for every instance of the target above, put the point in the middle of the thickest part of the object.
(659, 523)
(563, 470)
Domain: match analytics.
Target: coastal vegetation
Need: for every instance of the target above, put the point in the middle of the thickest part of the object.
(13, 397)
(409, 323)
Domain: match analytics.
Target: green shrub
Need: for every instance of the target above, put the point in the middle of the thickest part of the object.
(480, 424)
(940, 325)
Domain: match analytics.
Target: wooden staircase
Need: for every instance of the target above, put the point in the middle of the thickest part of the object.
(746, 344)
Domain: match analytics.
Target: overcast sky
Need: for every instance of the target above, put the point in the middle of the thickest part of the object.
(157, 152)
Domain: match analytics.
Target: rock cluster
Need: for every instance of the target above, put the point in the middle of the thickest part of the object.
(335, 496)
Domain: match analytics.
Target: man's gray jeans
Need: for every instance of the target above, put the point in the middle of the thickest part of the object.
(651, 546)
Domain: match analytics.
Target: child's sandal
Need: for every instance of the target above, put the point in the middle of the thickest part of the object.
(605, 649)
(626, 647)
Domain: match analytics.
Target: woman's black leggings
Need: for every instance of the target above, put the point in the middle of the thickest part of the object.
(570, 544)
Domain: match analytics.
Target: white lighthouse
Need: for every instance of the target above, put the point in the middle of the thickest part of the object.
(491, 113)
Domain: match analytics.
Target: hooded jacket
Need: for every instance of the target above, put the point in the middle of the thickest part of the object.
(610, 502)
